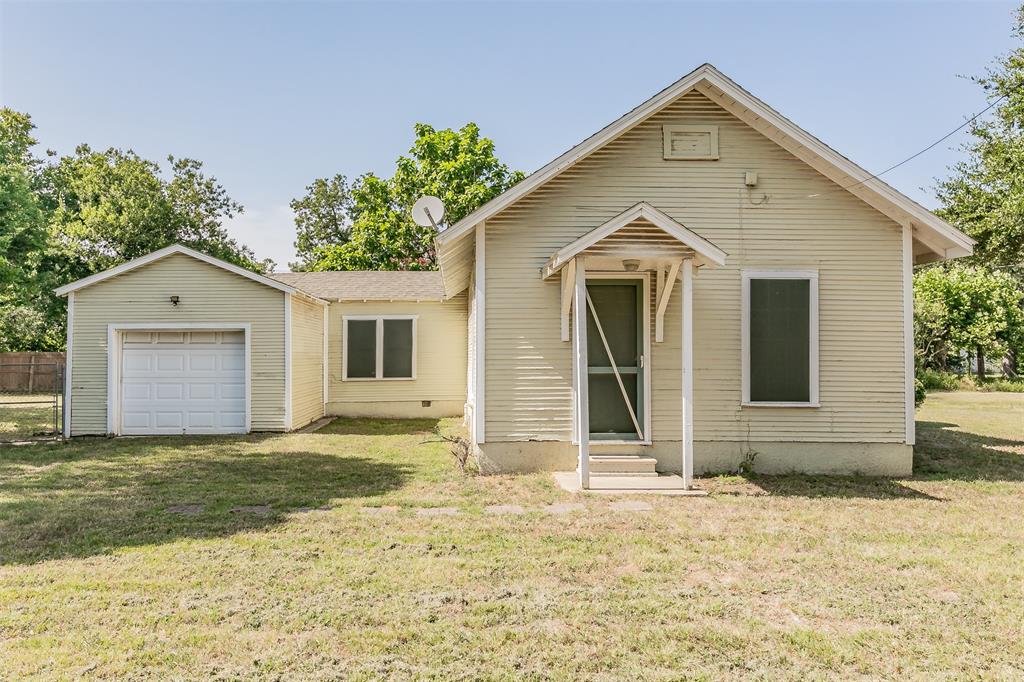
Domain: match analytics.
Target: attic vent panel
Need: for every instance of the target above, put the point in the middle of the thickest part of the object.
(690, 142)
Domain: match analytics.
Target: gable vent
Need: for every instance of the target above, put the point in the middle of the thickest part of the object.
(690, 142)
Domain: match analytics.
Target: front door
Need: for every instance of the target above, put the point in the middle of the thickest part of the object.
(615, 358)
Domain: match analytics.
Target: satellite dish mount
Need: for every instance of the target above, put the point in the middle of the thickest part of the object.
(428, 212)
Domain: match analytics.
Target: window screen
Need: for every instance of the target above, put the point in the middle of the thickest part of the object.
(398, 348)
(361, 351)
(780, 340)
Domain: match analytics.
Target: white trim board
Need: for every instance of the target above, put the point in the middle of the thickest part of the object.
(114, 347)
(68, 376)
(184, 250)
(378, 346)
(480, 346)
(287, 362)
(949, 241)
(910, 406)
(813, 350)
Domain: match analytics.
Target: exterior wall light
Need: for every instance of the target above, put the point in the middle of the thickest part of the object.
(174, 300)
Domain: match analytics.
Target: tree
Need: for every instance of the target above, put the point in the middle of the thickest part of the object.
(459, 166)
(966, 309)
(76, 215)
(985, 196)
(322, 218)
(22, 234)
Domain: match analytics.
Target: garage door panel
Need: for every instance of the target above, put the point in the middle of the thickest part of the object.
(183, 387)
(202, 361)
(170, 361)
(136, 390)
(136, 420)
(233, 391)
(136, 362)
(202, 391)
(170, 391)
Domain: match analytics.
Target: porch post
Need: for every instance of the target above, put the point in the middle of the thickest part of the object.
(580, 389)
(687, 373)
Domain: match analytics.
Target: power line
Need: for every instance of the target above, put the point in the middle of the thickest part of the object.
(945, 137)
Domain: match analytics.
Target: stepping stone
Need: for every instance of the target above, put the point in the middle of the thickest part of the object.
(437, 511)
(562, 507)
(185, 509)
(630, 505)
(504, 509)
(378, 511)
(258, 509)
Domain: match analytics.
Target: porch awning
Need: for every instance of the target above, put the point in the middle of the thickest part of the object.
(702, 251)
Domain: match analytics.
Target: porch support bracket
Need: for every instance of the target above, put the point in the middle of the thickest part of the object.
(568, 282)
(663, 294)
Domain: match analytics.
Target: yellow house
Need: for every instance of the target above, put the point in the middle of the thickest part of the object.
(699, 283)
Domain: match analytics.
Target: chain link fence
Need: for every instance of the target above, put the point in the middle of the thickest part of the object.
(31, 396)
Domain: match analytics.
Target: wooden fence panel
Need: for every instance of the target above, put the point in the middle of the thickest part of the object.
(30, 372)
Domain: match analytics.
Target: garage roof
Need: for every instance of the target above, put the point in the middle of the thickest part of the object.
(170, 251)
(368, 285)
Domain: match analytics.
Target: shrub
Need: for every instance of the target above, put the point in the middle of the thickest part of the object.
(934, 380)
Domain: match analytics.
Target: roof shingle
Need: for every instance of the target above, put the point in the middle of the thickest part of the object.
(368, 285)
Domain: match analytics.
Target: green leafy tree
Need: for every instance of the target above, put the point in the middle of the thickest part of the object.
(966, 309)
(23, 235)
(985, 195)
(459, 166)
(322, 218)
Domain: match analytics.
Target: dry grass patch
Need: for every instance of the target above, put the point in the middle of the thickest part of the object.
(769, 577)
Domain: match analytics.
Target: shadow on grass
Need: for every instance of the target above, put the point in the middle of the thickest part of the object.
(354, 426)
(942, 453)
(85, 500)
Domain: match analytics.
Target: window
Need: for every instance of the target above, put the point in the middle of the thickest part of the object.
(690, 142)
(780, 338)
(379, 347)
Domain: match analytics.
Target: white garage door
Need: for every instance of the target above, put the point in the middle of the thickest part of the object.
(182, 382)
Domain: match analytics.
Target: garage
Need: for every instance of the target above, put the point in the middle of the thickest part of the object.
(182, 382)
(177, 342)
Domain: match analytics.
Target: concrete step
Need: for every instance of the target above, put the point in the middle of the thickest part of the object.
(617, 465)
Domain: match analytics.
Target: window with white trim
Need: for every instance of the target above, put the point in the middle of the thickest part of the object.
(379, 347)
(780, 338)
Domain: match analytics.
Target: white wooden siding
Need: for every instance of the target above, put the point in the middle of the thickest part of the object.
(856, 250)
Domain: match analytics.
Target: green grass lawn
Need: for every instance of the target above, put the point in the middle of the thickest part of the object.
(255, 557)
(27, 415)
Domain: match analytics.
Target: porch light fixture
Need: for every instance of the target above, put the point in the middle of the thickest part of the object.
(631, 265)
(174, 300)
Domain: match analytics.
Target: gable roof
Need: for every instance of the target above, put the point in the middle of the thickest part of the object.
(170, 251)
(705, 252)
(368, 285)
(941, 238)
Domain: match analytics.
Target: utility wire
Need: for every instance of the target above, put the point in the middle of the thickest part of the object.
(945, 137)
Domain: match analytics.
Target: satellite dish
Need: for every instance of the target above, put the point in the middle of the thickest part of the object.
(427, 211)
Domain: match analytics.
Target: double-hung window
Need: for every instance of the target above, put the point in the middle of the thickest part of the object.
(379, 347)
(780, 338)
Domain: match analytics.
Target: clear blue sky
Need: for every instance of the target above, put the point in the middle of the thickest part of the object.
(270, 96)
